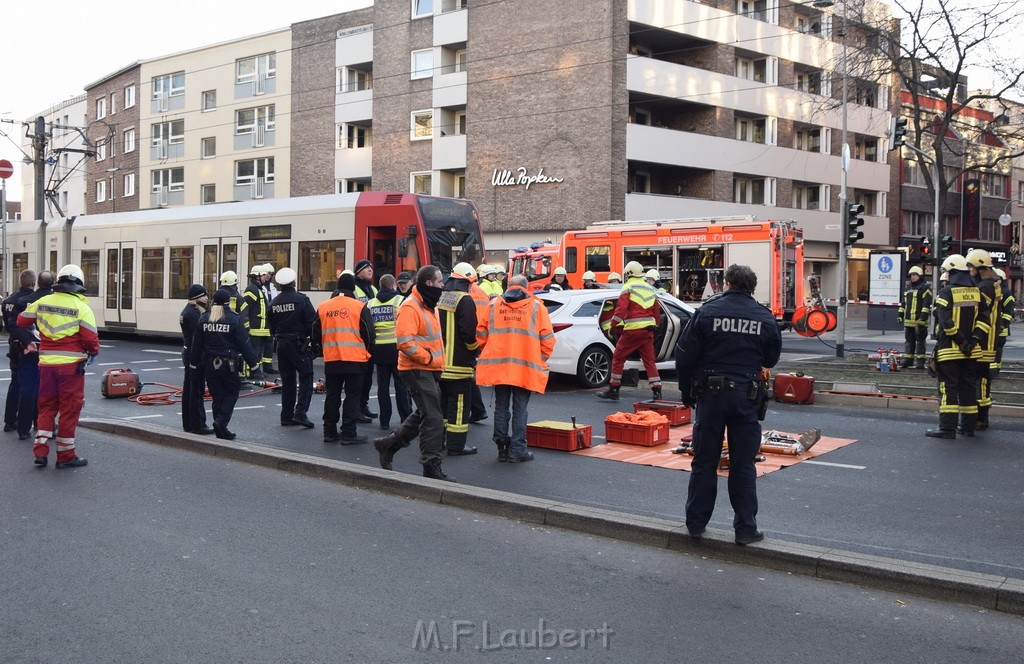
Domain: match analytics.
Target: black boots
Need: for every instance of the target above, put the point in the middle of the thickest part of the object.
(503, 445)
(940, 433)
(612, 393)
(657, 393)
(386, 448)
(433, 471)
(77, 462)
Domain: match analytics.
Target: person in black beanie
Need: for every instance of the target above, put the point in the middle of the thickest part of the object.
(364, 292)
(193, 410)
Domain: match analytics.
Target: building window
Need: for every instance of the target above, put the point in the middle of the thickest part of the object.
(422, 8)
(320, 263)
(247, 119)
(172, 132)
(248, 69)
(866, 149)
(423, 63)
(990, 230)
(128, 185)
(1020, 192)
(751, 130)
(171, 179)
(113, 103)
(806, 196)
(153, 273)
(247, 171)
(912, 174)
(129, 95)
(422, 125)
(460, 123)
(460, 60)
(101, 150)
(420, 183)
(993, 184)
(755, 9)
(460, 186)
(101, 191)
(808, 140)
(869, 200)
(169, 85)
(640, 183)
(918, 223)
(209, 100)
(208, 147)
(353, 186)
(129, 140)
(353, 136)
(754, 190)
(207, 194)
(354, 80)
(101, 108)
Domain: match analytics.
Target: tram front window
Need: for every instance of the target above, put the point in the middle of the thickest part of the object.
(453, 232)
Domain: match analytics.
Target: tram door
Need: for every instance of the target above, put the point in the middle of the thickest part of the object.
(119, 298)
(219, 256)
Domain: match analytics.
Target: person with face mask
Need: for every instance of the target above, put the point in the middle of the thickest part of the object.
(193, 386)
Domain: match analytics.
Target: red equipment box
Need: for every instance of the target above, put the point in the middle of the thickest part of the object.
(119, 383)
(647, 435)
(558, 435)
(794, 388)
(677, 413)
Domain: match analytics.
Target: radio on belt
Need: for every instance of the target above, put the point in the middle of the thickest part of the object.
(120, 383)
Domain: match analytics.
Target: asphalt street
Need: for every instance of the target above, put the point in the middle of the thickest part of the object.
(160, 555)
(893, 493)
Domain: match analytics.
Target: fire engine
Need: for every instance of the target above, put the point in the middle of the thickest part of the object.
(690, 255)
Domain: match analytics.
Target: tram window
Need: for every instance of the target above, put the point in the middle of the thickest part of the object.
(181, 271)
(320, 264)
(19, 262)
(229, 257)
(153, 273)
(91, 269)
(210, 277)
(53, 262)
(277, 254)
(112, 278)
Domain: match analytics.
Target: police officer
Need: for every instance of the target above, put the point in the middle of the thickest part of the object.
(220, 345)
(28, 367)
(384, 312)
(291, 322)
(719, 358)
(14, 346)
(957, 309)
(255, 304)
(457, 313)
(365, 291)
(193, 410)
(914, 312)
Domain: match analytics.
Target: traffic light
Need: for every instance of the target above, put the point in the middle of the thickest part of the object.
(853, 223)
(926, 249)
(897, 130)
(947, 245)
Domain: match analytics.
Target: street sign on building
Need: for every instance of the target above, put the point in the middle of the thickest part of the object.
(6, 169)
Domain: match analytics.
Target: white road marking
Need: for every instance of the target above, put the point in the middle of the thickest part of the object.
(158, 369)
(164, 352)
(835, 465)
(145, 361)
(141, 417)
(248, 407)
(105, 346)
(109, 364)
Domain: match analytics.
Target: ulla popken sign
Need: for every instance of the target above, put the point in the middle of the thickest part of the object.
(520, 177)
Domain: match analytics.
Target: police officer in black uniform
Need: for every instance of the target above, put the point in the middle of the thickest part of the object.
(220, 345)
(193, 410)
(291, 323)
(719, 359)
(15, 348)
(28, 367)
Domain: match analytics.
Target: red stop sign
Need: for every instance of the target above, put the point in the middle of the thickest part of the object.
(6, 169)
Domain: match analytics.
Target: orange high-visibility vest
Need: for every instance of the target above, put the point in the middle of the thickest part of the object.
(339, 329)
(516, 341)
(481, 300)
(418, 332)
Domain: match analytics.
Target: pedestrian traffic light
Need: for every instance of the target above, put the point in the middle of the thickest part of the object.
(926, 249)
(853, 223)
(897, 130)
(947, 245)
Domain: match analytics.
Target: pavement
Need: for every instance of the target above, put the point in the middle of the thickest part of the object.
(990, 591)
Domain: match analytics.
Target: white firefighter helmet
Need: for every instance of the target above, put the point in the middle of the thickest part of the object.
(614, 276)
(954, 262)
(485, 270)
(978, 258)
(559, 271)
(916, 270)
(589, 275)
(228, 278)
(285, 276)
(633, 269)
(652, 274)
(464, 271)
(1000, 273)
(71, 273)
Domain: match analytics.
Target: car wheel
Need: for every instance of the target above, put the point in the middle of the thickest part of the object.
(595, 366)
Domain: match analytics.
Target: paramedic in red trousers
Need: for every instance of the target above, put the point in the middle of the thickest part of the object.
(420, 362)
(632, 325)
(719, 358)
(516, 340)
(365, 292)
(193, 390)
(457, 313)
(67, 341)
(344, 333)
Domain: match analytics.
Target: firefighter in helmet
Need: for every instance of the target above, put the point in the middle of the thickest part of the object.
(914, 312)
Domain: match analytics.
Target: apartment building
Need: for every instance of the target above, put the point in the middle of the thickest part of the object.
(111, 123)
(978, 196)
(66, 166)
(607, 109)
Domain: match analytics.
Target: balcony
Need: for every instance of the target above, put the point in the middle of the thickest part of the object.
(353, 46)
(450, 89)
(353, 106)
(449, 153)
(451, 27)
(353, 163)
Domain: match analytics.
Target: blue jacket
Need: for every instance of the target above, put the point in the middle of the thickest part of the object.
(732, 336)
(225, 338)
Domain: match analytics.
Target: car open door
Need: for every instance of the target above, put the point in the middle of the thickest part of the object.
(673, 322)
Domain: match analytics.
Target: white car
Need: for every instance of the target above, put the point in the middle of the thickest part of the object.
(581, 349)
